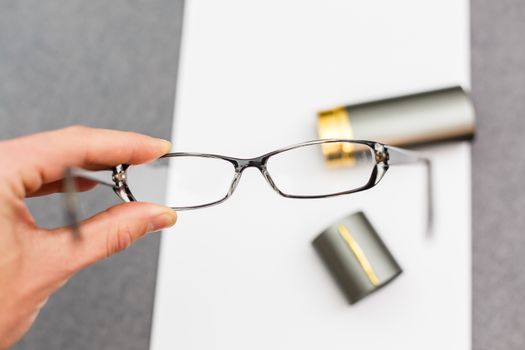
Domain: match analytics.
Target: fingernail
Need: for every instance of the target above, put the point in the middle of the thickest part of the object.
(162, 221)
(166, 145)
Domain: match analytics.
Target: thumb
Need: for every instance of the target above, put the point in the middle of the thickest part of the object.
(114, 230)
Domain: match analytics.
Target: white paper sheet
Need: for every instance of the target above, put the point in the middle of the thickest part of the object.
(243, 275)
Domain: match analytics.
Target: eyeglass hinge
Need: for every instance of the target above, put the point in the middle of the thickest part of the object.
(381, 153)
(119, 175)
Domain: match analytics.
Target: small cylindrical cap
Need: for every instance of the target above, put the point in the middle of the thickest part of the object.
(357, 257)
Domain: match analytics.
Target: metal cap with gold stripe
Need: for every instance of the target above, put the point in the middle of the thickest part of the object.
(357, 257)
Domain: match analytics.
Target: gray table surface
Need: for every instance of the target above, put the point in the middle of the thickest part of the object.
(113, 64)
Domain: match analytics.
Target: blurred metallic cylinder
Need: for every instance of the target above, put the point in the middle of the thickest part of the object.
(422, 118)
(356, 256)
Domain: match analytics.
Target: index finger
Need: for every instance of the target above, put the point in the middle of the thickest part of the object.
(42, 158)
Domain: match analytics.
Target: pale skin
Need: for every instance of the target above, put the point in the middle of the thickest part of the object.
(35, 262)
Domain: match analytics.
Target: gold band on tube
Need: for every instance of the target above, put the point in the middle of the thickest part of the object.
(335, 124)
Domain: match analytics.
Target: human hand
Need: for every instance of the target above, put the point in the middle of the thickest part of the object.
(35, 262)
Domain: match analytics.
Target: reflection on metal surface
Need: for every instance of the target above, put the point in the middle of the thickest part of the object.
(359, 255)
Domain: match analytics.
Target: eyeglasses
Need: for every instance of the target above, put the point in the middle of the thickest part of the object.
(314, 169)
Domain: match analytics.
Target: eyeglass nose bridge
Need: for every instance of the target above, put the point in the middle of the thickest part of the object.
(259, 163)
(243, 164)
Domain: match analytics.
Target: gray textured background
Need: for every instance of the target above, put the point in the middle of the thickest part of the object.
(498, 80)
(113, 64)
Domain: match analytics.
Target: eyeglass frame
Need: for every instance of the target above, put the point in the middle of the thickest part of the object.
(260, 162)
(385, 156)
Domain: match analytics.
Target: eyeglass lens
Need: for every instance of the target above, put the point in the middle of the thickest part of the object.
(194, 180)
(305, 171)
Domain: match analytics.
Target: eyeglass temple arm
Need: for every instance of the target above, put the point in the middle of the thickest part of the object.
(70, 190)
(402, 156)
(98, 176)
